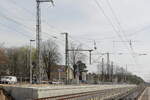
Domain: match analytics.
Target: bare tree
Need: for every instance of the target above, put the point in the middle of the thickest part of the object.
(75, 55)
(50, 55)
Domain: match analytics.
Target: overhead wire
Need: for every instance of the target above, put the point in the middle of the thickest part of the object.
(111, 23)
(29, 12)
(122, 30)
(108, 19)
(140, 30)
(23, 25)
(10, 28)
(79, 41)
(16, 22)
(27, 28)
(116, 18)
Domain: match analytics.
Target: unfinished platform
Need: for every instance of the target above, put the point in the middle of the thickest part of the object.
(30, 92)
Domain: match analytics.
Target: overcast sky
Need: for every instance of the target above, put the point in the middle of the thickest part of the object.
(85, 22)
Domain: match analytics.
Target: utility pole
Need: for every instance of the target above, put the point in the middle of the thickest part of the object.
(38, 38)
(67, 59)
(90, 56)
(31, 61)
(112, 66)
(66, 56)
(126, 73)
(108, 66)
(102, 69)
(67, 53)
(108, 71)
(99, 72)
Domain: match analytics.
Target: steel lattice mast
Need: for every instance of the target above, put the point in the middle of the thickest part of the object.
(38, 38)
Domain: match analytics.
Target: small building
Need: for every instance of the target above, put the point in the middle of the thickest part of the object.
(58, 73)
(70, 74)
(84, 74)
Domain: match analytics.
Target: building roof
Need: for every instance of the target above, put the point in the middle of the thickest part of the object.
(61, 68)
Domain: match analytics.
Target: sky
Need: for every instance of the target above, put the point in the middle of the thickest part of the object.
(86, 21)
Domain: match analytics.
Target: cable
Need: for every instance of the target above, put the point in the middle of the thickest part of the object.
(15, 3)
(116, 18)
(121, 29)
(4, 25)
(110, 22)
(25, 35)
(140, 30)
(16, 22)
(26, 27)
(118, 22)
(29, 12)
(79, 41)
(120, 36)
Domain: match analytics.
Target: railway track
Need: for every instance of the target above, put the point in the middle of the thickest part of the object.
(130, 95)
(92, 95)
(145, 95)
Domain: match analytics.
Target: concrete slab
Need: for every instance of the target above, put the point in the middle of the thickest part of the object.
(29, 92)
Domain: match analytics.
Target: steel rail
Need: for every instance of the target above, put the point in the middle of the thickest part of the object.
(140, 92)
(133, 94)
